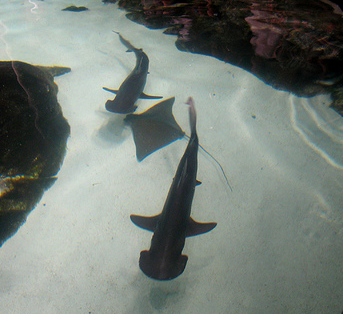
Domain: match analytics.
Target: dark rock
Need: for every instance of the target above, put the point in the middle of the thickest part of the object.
(73, 8)
(33, 136)
(293, 46)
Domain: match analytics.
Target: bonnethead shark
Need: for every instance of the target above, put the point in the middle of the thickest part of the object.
(132, 87)
(164, 259)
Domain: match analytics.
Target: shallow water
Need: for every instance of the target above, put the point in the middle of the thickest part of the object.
(278, 246)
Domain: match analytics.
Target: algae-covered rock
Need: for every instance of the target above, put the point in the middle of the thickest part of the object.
(73, 8)
(33, 137)
(293, 45)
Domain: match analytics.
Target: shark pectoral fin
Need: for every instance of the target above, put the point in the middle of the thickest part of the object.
(197, 182)
(146, 222)
(194, 228)
(145, 96)
(114, 91)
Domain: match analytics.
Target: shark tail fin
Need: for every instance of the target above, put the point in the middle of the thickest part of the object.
(146, 222)
(154, 269)
(126, 43)
(196, 228)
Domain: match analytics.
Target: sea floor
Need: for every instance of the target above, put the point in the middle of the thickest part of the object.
(278, 245)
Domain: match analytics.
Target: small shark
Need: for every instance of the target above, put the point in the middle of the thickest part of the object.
(164, 260)
(132, 87)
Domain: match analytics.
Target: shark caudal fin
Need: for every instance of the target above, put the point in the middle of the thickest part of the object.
(154, 128)
(195, 228)
(126, 43)
(145, 222)
(160, 269)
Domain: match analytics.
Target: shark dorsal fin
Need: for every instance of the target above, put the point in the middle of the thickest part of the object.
(194, 228)
(146, 222)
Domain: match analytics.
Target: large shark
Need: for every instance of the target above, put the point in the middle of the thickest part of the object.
(164, 260)
(132, 87)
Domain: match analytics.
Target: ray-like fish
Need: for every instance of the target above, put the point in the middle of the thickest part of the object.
(164, 260)
(154, 128)
(132, 87)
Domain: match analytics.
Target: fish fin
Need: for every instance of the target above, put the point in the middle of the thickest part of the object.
(197, 182)
(154, 128)
(125, 42)
(161, 271)
(145, 96)
(195, 228)
(114, 91)
(146, 222)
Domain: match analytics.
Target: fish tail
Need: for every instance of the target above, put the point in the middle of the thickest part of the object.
(192, 114)
(125, 42)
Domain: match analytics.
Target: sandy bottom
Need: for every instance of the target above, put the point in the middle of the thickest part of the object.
(278, 246)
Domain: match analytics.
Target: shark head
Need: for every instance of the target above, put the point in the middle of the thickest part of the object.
(160, 269)
(119, 107)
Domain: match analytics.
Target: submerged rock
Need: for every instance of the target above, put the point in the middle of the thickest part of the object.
(294, 46)
(74, 8)
(33, 137)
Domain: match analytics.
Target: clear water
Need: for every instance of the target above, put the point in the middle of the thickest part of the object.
(278, 246)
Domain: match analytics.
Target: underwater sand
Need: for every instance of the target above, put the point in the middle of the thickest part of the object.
(278, 245)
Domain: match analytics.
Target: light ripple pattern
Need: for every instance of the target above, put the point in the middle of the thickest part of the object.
(320, 128)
